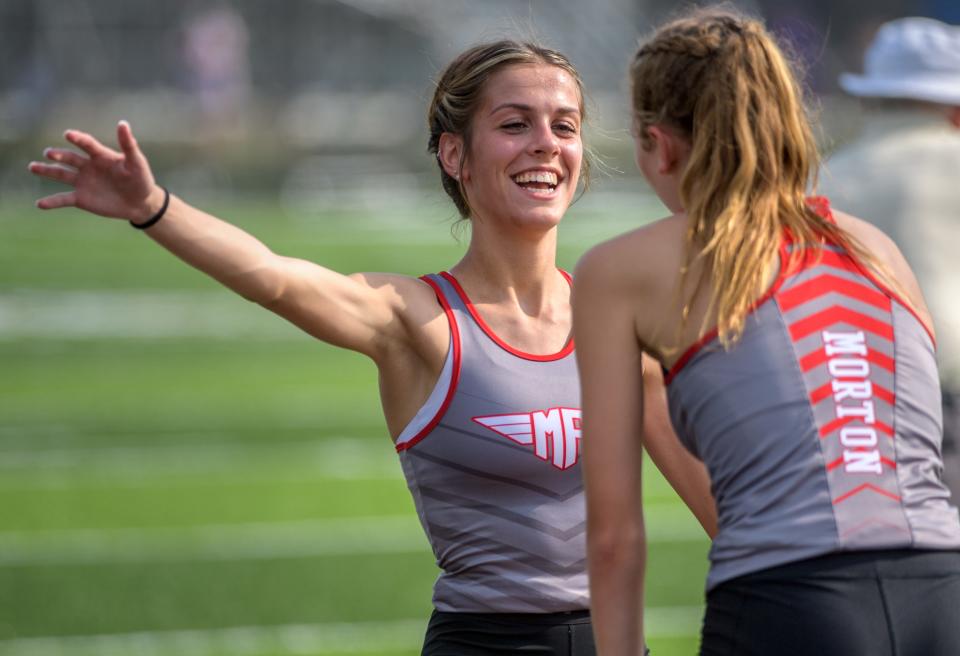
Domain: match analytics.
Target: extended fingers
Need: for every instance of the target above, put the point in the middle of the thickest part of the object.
(136, 162)
(128, 143)
(54, 172)
(55, 201)
(89, 145)
(65, 156)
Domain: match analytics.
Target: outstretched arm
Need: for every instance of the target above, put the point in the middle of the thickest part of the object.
(609, 359)
(685, 473)
(354, 312)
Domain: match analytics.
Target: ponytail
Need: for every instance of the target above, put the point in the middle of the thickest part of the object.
(722, 81)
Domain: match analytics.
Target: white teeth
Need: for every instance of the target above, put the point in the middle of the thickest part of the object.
(548, 177)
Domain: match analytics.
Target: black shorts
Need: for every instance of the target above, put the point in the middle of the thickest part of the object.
(491, 634)
(869, 603)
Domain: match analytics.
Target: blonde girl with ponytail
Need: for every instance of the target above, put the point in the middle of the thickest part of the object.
(799, 360)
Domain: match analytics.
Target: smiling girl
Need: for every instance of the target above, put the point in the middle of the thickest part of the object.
(477, 376)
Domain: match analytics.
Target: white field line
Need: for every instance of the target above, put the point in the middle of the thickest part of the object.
(344, 458)
(390, 534)
(341, 458)
(341, 637)
(290, 639)
(41, 314)
(227, 542)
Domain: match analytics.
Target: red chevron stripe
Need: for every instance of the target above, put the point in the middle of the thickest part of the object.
(862, 488)
(834, 260)
(845, 262)
(817, 357)
(873, 521)
(839, 314)
(839, 461)
(819, 394)
(828, 283)
(829, 428)
(825, 390)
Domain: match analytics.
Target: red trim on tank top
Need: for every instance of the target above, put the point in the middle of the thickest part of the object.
(454, 376)
(564, 352)
(697, 346)
(821, 205)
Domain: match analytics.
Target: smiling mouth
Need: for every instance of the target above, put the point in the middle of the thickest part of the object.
(537, 180)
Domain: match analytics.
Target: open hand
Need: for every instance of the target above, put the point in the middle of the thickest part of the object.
(106, 182)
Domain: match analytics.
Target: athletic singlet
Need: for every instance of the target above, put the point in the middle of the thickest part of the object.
(821, 427)
(492, 462)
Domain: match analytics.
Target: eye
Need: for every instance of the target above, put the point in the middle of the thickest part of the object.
(514, 126)
(566, 128)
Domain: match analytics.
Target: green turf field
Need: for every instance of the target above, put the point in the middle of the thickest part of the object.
(183, 474)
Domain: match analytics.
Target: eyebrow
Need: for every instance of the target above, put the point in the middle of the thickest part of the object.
(526, 108)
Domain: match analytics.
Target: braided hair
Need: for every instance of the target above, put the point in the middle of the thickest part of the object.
(720, 79)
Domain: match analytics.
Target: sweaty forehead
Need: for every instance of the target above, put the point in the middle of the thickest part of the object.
(537, 85)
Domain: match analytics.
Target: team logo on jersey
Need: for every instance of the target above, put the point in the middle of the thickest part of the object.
(554, 433)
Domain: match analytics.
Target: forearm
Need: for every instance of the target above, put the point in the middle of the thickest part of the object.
(617, 566)
(612, 402)
(687, 475)
(120, 185)
(226, 253)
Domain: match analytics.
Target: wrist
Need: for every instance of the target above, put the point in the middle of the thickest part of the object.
(151, 205)
(159, 208)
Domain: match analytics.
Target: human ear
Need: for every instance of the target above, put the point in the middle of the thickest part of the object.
(450, 153)
(664, 144)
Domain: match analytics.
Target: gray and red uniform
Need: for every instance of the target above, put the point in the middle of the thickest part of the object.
(492, 462)
(821, 427)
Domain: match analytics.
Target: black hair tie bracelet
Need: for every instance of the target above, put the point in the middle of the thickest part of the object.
(156, 217)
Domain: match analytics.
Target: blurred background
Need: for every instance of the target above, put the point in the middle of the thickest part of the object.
(321, 102)
(181, 473)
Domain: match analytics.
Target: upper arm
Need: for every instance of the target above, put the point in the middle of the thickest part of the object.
(364, 312)
(609, 360)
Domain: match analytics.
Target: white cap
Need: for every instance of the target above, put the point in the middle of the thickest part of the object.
(915, 58)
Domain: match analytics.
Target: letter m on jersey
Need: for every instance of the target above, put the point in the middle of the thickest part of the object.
(553, 433)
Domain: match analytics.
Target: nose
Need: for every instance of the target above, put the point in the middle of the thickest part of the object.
(544, 140)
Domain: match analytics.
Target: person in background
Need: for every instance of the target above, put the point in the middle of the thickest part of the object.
(476, 368)
(903, 175)
(800, 369)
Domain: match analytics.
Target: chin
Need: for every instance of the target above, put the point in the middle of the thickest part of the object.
(545, 219)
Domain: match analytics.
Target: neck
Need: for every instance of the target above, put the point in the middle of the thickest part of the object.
(518, 268)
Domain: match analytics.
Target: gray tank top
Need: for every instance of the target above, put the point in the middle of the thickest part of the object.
(492, 462)
(821, 427)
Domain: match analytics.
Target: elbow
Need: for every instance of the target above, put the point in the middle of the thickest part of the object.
(616, 548)
(263, 286)
(269, 298)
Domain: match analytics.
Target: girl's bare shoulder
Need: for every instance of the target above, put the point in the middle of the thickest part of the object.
(876, 242)
(886, 251)
(870, 236)
(633, 257)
